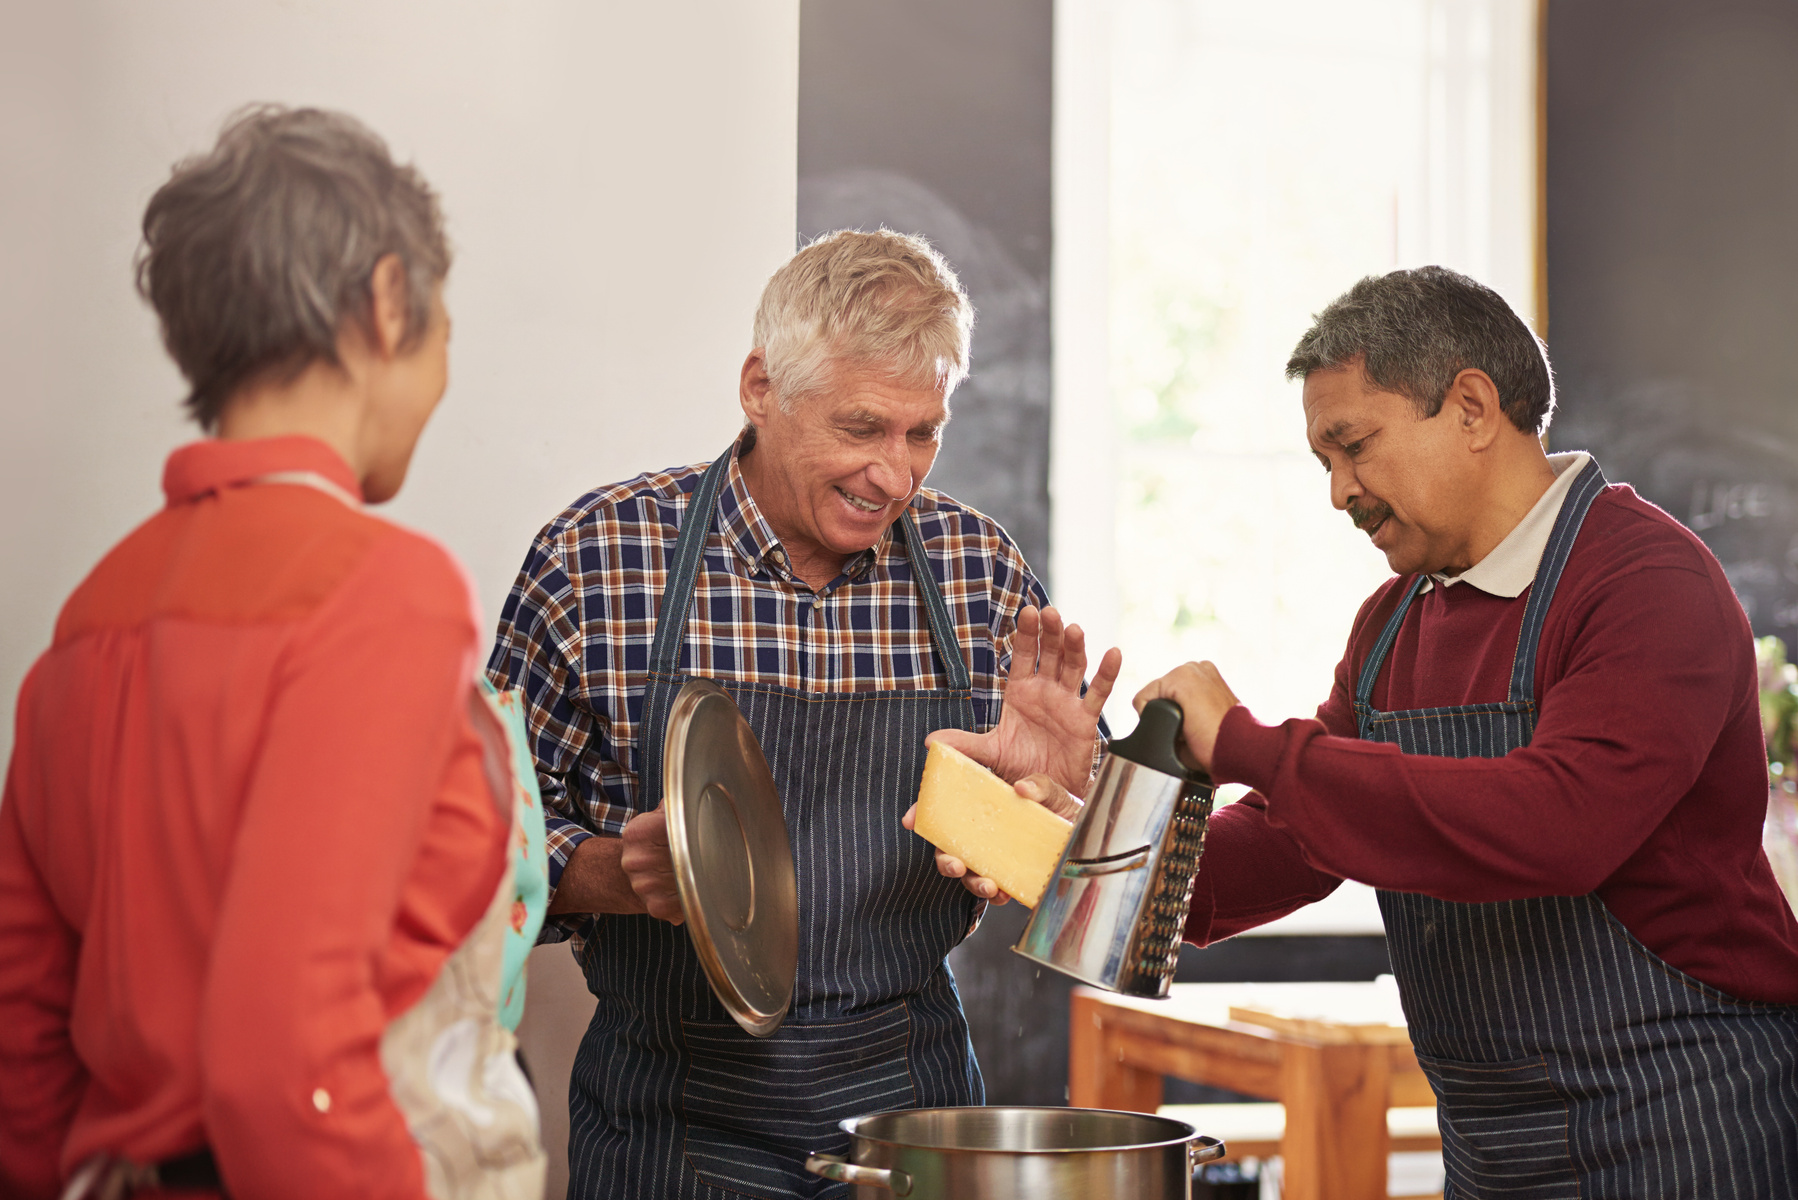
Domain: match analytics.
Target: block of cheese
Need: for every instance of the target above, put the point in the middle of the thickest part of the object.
(966, 810)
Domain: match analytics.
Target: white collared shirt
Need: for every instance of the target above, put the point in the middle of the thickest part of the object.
(1511, 566)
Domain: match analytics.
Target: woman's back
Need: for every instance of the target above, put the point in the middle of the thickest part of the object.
(246, 821)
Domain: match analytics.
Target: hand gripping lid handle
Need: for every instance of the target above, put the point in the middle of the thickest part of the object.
(1155, 742)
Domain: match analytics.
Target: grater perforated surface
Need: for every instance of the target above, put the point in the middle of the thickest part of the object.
(1155, 949)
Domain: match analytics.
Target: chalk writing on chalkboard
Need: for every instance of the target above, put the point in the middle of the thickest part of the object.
(1732, 484)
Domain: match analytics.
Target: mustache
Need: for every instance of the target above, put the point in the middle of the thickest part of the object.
(1370, 516)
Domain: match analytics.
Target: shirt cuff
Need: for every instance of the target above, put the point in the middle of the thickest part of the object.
(1246, 751)
(561, 837)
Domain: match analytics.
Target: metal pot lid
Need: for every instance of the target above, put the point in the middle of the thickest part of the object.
(732, 861)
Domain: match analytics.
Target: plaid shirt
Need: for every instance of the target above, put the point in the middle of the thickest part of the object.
(576, 630)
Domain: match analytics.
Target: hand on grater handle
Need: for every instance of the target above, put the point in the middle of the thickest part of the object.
(1204, 698)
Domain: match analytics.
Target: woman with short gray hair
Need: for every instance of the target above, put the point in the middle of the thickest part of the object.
(256, 847)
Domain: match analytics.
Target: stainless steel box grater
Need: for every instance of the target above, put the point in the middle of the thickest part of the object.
(1114, 909)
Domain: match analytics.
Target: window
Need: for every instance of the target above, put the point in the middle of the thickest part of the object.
(1264, 156)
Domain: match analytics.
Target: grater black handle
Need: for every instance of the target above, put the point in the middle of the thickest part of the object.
(1155, 742)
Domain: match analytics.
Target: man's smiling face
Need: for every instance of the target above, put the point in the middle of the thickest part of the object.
(1399, 476)
(842, 465)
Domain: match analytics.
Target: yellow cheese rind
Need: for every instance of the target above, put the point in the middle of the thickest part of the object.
(966, 810)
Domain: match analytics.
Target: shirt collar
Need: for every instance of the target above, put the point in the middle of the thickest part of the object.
(1510, 568)
(201, 468)
(749, 534)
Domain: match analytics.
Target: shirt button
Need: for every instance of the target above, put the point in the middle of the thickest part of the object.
(817, 602)
(321, 1100)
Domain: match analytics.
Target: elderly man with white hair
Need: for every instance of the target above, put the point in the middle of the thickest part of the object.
(806, 568)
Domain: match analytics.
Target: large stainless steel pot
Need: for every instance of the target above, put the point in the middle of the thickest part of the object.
(1022, 1153)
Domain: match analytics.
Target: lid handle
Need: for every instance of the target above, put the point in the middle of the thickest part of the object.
(1155, 742)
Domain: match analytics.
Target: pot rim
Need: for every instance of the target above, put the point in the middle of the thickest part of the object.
(847, 1125)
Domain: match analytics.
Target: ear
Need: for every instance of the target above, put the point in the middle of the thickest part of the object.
(756, 390)
(1473, 402)
(388, 307)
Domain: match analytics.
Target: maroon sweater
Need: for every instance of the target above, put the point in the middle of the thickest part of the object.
(1645, 783)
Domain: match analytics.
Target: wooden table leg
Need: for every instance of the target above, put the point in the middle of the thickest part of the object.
(1096, 1076)
(1336, 1142)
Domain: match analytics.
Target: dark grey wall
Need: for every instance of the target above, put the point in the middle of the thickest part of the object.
(1673, 267)
(932, 117)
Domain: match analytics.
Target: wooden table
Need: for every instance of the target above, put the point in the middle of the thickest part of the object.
(1336, 1055)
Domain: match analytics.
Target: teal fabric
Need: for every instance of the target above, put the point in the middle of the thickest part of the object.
(530, 869)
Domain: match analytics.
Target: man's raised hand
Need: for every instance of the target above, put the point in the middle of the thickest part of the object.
(1045, 726)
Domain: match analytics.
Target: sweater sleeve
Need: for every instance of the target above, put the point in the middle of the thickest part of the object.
(358, 739)
(43, 1077)
(1622, 734)
(1252, 871)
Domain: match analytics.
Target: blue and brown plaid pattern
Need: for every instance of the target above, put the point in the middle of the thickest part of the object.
(576, 630)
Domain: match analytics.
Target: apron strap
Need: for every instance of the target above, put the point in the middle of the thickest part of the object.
(683, 572)
(942, 629)
(1579, 499)
(1376, 658)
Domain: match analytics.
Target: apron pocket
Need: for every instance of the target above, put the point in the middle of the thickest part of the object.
(755, 1107)
(1504, 1129)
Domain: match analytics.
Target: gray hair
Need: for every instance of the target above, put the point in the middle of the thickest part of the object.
(881, 300)
(256, 253)
(1413, 331)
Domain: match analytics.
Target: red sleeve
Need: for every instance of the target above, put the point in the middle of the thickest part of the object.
(1621, 737)
(1253, 872)
(357, 745)
(43, 1077)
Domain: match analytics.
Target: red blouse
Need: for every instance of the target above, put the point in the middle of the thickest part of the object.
(244, 824)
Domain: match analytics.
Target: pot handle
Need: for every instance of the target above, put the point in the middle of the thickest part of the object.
(832, 1167)
(1205, 1149)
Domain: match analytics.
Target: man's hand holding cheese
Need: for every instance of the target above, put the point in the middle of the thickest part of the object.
(1047, 729)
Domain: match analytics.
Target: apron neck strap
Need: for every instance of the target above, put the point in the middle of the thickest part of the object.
(689, 553)
(1376, 658)
(942, 629)
(683, 572)
(1585, 489)
(314, 480)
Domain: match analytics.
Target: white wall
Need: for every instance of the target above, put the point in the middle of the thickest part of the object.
(619, 181)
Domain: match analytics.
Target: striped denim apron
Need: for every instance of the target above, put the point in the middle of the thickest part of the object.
(1568, 1060)
(669, 1098)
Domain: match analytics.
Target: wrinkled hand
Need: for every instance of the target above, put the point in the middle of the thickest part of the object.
(1203, 697)
(649, 865)
(1039, 788)
(1046, 726)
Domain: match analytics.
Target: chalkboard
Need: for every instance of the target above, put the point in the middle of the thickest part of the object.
(932, 117)
(1672, 248)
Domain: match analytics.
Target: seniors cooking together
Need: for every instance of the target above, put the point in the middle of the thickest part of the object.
(263, 841)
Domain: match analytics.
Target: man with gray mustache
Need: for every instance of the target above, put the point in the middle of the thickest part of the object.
(1543, 746)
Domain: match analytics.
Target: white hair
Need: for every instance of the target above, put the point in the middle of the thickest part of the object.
(882, 300)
